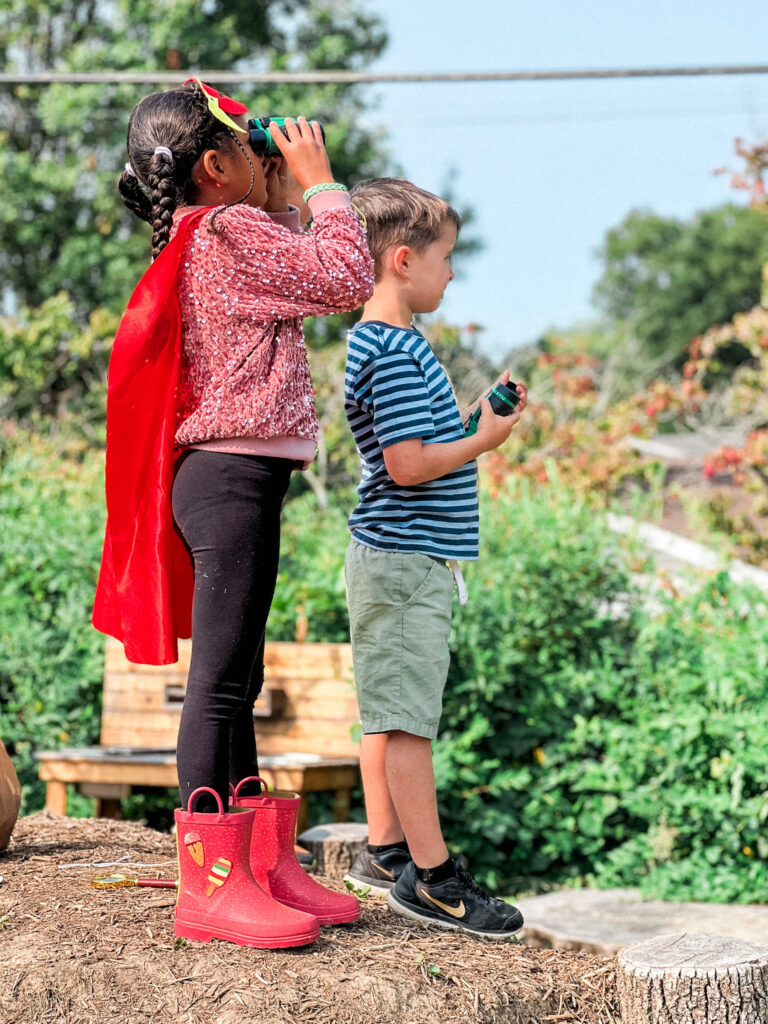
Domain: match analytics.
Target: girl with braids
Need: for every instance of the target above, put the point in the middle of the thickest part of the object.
(209, 411)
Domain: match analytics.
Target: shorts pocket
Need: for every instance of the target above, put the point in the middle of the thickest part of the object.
(418, 576)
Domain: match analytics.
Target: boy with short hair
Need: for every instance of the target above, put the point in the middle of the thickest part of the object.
(418, 511)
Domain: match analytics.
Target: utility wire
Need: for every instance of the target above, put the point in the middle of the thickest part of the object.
(325, 77)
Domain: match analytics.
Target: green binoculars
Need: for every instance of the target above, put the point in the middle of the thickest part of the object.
(260, 129)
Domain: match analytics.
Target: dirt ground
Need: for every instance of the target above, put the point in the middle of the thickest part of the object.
(69, 952)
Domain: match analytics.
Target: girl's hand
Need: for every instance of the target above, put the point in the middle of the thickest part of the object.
(304, 151)
(276, 179)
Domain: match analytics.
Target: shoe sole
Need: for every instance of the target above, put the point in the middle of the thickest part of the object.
(374, 884)
(196, 933)
(425, 916)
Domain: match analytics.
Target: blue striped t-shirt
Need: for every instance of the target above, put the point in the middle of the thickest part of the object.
(395, 390)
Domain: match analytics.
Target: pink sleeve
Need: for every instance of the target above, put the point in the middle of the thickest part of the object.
(286, 218)
(277, 274)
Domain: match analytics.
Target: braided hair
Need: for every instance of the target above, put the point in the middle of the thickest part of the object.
(152, 185)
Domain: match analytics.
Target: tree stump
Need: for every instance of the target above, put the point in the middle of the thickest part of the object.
(335, 846)
(10, 797)
(693, 979)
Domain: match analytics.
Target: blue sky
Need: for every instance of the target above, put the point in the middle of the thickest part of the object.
(550, 166)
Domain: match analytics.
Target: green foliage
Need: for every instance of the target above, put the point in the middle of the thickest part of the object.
(51, 366)
(690, 773)
(552, 608)
(63, 225)
(587, 735)
(310, 582)
(670, 280)
(51, 505)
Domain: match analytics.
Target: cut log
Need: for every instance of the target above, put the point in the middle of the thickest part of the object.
(10, 797)
(693, 979)
(335, 846)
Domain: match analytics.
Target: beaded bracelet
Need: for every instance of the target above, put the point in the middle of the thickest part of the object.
(327, 186)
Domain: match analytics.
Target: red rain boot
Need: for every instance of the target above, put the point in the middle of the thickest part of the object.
(274, 864)
(218, 896)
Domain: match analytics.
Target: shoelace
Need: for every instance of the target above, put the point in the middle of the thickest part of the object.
(474, 887)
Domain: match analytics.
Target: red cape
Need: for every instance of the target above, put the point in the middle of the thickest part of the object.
(144, 592)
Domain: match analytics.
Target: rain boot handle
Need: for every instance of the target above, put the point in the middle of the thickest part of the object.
(250, 778)
(204, 789)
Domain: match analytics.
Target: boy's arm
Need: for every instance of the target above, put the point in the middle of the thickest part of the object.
(412, 462)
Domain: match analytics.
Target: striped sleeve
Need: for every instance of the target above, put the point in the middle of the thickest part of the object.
(394, 389)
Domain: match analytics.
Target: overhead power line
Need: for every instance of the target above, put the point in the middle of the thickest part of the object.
(349, 77)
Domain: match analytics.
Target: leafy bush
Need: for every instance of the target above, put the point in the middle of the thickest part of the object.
(552, 609)
(51, 664)
(310, 592)
(688, 763)
(587, 735)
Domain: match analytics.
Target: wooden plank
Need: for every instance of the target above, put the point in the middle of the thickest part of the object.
(144, 731)
(319, 778)
(128, 724)
(145, 717)
(280, 658)
(320, 742)
(129, 773)
(121, 688)
(279, 745)
(326, 699)
(105, 790)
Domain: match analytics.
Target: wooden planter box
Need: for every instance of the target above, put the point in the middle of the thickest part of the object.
(303, 720)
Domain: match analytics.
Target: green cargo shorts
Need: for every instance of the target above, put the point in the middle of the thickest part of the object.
(400, 619)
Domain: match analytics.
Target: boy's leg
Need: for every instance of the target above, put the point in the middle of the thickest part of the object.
(381, 863)
(411, 781)
(383, 823)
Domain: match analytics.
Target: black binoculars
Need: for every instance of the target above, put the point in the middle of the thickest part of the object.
(504, 400)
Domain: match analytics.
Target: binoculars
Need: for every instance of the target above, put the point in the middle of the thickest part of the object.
(504, 400)
(260, 129)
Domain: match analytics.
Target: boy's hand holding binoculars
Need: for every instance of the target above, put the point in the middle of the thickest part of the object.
(494, 416)
(304, 152)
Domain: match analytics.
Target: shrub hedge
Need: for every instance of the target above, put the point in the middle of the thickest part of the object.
(588, 733)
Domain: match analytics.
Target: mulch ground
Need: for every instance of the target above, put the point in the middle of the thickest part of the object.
(69, 952)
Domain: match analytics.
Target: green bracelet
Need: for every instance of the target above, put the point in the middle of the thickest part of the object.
(327, 186)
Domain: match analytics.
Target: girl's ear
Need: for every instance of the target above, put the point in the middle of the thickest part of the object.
(209, 167)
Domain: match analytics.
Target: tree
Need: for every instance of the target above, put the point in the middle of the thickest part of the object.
(669, 280)
(62, 224)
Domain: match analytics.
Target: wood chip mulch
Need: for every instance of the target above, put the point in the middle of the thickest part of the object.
(69, 952)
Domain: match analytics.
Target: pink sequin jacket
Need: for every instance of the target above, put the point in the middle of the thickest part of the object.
(243, 293)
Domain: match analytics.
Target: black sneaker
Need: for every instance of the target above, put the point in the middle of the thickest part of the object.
(454, 903)
(378, 871)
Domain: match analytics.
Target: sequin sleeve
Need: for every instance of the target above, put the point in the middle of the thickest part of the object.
(274, 274)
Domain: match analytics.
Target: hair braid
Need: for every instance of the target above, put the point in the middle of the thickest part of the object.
(135, 196)
(164, 201)
(179, 120)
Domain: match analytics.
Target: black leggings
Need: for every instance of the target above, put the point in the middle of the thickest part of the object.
(227, 510)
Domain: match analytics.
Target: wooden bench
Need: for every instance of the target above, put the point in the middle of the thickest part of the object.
(304, 721)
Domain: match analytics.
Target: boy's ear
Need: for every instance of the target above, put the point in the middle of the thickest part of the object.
(401, 259)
